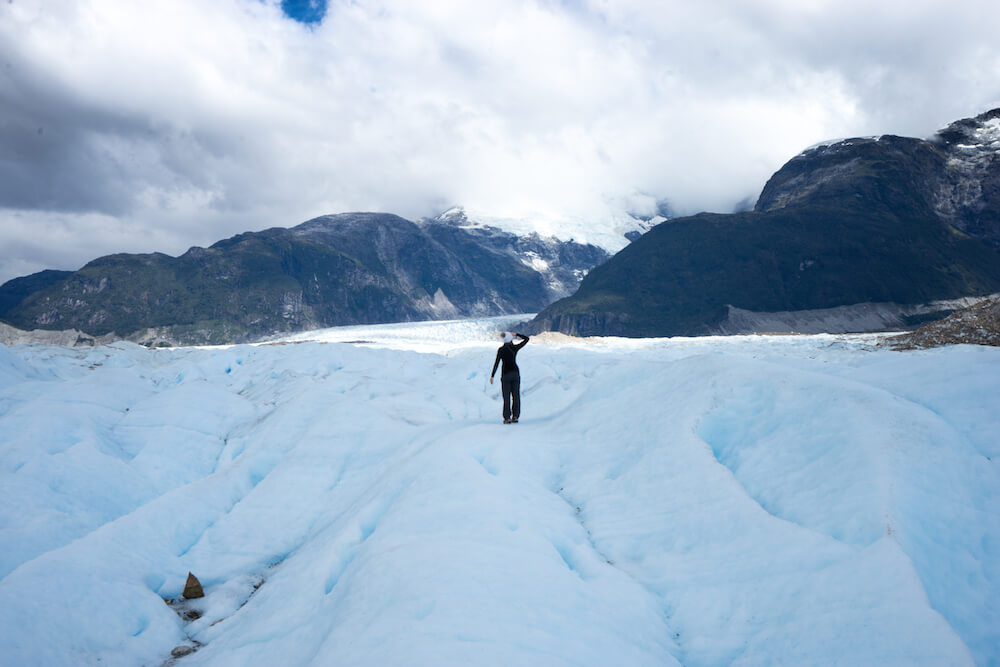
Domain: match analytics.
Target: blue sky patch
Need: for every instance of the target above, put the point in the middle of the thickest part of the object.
(304, 11)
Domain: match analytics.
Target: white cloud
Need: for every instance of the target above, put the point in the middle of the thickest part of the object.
(186, 121)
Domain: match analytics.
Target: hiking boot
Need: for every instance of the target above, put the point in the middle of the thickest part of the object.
(506, 421)
(514, 420)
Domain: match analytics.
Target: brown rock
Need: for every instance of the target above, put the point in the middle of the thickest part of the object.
(181, 651)
(192, 589)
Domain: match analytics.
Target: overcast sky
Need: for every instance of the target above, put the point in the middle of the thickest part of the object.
(155, 125)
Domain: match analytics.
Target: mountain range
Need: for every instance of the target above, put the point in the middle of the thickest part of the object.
(883, 227)
(351, 268)
(858, 234)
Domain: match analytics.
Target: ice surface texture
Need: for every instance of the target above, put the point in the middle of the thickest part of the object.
(749, 500)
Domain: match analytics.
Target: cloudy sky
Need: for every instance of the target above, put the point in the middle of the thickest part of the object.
(155, 125)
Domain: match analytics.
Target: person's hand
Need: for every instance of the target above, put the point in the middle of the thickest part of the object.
(491, 380)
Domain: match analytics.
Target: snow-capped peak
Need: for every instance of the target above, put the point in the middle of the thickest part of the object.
(986, 136)
(607, 232)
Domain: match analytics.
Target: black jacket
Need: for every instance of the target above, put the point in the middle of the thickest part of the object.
(508, 354)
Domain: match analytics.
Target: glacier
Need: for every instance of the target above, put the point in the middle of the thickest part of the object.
(350, 497)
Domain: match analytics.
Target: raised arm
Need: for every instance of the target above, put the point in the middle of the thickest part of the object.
(524, 341)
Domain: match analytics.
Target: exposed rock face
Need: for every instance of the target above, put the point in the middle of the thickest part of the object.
(978, 324)
(889, 221)
(967, 193)
(352, 268)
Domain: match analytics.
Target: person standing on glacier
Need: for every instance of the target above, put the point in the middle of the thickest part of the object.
(510, 376)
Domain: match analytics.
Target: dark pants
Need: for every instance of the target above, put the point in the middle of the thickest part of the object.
(510, 387)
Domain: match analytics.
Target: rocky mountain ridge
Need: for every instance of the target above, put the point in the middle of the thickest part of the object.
(612, 232)
(894, 221)
(351, 268)
(956, 173)
(563, 264)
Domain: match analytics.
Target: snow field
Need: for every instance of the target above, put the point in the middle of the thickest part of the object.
(746, 500)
